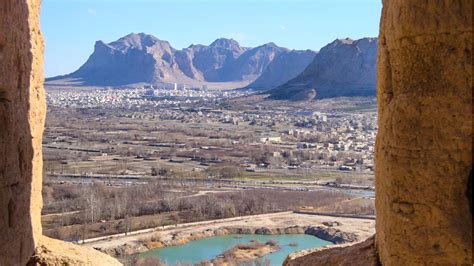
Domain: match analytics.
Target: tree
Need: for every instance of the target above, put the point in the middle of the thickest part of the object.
(94, 195)
(154, 171)
(128, 224)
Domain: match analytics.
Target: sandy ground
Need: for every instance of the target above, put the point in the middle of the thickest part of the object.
(247, 253)
(362, 227)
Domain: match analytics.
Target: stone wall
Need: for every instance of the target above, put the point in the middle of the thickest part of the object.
(424, 141)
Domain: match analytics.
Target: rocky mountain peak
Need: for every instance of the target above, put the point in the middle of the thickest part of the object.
(271, 44)
(135, 41)
(225, 43)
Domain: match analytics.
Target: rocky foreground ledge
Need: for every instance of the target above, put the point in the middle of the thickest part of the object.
(55, 252)
(360, 253)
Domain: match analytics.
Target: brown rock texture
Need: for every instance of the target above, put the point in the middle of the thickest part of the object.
(424, 142)
(55, 252)
(362, 253)
(22, 113)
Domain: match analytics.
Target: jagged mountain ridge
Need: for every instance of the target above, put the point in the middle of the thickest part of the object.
(143, 58)
(344, 67)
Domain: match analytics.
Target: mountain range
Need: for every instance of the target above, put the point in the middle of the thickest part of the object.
(142, 58)
(344, 67)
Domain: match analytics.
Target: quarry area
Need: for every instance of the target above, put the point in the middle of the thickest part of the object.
(336, 229)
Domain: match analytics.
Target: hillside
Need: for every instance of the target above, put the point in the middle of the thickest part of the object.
(282, 69)
(344, 67)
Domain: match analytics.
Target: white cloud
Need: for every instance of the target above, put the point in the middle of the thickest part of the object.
(238, 36)
(282, 27)
(91, 12)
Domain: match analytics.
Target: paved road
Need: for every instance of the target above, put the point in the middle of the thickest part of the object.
(130, 180)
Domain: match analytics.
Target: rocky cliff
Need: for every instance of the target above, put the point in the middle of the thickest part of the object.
(342, 68)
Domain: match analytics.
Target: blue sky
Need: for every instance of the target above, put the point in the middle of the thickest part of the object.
(71, 27)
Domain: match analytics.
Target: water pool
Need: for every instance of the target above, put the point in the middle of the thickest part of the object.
(209, 248)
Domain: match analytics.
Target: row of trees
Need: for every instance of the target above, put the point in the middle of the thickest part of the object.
(112, 209)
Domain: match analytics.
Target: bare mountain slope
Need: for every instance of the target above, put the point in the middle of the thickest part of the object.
(283, 68)
(342, 68)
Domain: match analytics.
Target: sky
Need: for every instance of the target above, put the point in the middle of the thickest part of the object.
(71, 27)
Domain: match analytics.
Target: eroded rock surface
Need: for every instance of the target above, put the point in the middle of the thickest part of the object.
(55, 252)
(424, 143)
(360, 254)
(332, 234)
(22, 113)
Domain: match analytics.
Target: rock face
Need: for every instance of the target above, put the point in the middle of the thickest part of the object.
(424, 143)
(22, 113)
(142, 58)
(342, 68)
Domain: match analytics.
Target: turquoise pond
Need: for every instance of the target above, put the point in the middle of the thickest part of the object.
(209, 248)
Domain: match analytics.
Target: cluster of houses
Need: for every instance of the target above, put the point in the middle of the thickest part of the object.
(132, 98)
(342, 140)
